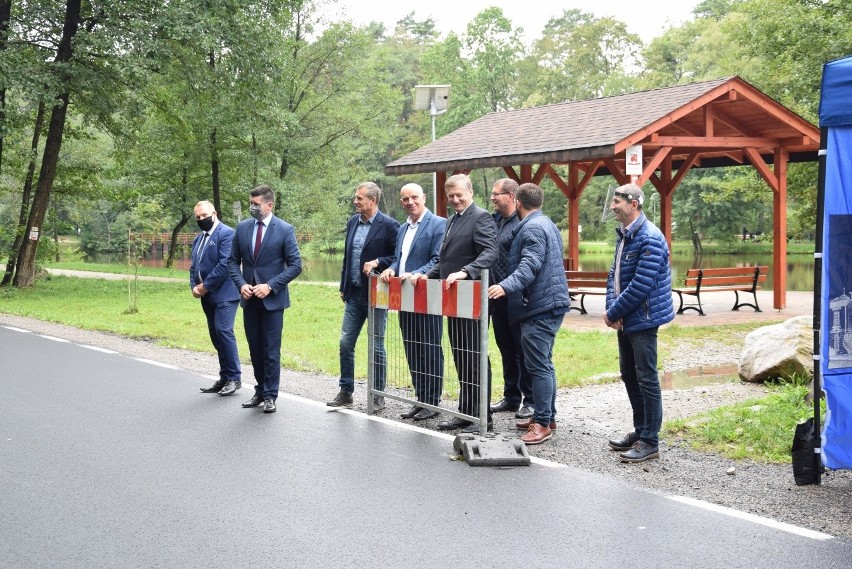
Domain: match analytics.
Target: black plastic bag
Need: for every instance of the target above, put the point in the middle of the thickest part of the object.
(806, 464)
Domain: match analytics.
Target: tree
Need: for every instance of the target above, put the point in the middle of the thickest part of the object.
(579, 56)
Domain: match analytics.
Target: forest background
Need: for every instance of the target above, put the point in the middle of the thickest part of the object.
(117, 116)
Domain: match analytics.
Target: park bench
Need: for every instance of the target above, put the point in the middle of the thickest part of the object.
(736, 279)
(581, 283)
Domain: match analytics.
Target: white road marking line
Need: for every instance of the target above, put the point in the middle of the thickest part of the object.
(13, 329)
(54, 338)
(158, 364)
(97, 349)
(790, 528)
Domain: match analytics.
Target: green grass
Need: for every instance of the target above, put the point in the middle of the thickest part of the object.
(758, 429)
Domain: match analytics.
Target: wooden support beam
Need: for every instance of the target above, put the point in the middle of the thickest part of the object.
(440, 195)
(540, 174)
(526, 173)
(658, 158)
(779, 230)
(762, 168)
(716, 142)
(510, 173)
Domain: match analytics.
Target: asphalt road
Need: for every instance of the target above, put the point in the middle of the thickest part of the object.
(111, 461)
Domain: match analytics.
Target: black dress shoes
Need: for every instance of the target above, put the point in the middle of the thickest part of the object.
(503, 406)
(454, 423)
(254, 401)
(215, 388)
(230, 387)
(269, 405)
(424, 414)
(411, 412)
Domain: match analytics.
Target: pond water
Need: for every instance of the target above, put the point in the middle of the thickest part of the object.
(800, 268)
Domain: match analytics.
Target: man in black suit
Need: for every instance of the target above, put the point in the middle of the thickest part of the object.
(264, 260)
(469, 246)
(370, 244)
(209, 281)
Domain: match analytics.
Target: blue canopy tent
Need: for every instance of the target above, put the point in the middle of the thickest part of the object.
(833, 266)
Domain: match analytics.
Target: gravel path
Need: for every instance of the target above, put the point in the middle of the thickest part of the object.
(587, 418)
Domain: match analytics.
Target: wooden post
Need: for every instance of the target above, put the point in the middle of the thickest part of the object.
(779, 230)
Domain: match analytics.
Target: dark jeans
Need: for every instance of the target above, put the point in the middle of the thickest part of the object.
(354, 315)
(220, 326)
(464, 342)
(537, 338)
(637, 358)
(263, 333)
(517, 385)
(421, 336)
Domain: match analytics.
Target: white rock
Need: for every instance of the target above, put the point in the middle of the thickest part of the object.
(731, 471)
(780, 350)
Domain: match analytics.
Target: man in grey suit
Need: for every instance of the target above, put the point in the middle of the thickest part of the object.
(470, 245)
(264, 260)
(418, 247)
(210, 283)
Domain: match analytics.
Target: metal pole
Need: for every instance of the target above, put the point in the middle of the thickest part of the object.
(483, 353)
(818, 251)
(434, 174)
(371, 346)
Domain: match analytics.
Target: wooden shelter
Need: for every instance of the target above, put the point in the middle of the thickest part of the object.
(724, 122)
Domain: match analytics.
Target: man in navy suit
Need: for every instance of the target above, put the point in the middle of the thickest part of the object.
(418, 247)
(209, 281)
(370, 242)
(470, 245)
(264, 260)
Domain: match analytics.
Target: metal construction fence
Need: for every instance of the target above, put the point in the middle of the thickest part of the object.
(426, 321)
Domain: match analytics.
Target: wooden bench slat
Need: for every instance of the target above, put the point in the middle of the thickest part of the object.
(586, 282)
(736, 279)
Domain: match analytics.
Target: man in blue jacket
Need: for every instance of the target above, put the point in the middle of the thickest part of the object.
(418, 246)
(209, 281)
(638, 302)
(537, 302)
(369, 246)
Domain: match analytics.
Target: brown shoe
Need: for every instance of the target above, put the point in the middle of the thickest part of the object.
(524, 424)
(537, 434)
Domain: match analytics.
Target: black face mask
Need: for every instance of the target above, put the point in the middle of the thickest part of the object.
(205, 224)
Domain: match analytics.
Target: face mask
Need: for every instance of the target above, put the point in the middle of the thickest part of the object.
(255, 211)
(205, 224)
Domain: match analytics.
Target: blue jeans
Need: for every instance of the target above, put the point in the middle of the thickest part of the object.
(354, 316)
(536, 339)
(637, 358)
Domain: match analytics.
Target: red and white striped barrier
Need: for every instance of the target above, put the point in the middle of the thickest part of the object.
(461, 299)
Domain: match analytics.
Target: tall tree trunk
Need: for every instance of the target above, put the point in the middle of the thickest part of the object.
(25, 271)
(214, 171)
(214, 155)
(254, 154)
(5, 16)
(15, 252)
(170, 261)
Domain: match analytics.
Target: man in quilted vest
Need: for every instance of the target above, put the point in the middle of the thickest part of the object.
(638, 302)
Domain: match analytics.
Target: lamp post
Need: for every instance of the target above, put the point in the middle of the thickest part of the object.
(435, 99)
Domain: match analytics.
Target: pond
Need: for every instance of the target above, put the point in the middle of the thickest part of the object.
(800, 268)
